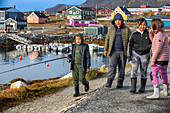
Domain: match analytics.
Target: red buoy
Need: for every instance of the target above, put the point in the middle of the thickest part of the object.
(47, 65)
(20, 58)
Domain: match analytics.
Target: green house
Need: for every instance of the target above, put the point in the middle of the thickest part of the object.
(80, 13)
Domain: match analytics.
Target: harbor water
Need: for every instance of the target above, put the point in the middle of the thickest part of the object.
(58, 68)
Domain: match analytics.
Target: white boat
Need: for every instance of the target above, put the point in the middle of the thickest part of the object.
(55, 48)
(19, 47)
(93, 47)
(30, 48)
(47, 47)
(100, 48)
(63, 49)
(24, 47)
(36, 48)
(42, 48)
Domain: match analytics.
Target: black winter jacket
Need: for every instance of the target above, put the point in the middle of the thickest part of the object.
(140, 43)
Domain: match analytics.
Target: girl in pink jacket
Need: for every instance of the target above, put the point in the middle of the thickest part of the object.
(160, 57)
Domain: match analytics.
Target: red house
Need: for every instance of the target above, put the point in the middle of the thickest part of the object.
(104, 11)
(35, 17)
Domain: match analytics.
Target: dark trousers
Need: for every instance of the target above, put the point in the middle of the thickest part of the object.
(117, 58)
(78, 74)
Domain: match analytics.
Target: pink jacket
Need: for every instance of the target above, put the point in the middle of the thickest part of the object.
(160, 47)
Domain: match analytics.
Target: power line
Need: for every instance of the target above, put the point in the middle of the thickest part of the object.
(32, 65)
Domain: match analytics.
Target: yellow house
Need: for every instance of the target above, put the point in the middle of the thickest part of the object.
(123, 11)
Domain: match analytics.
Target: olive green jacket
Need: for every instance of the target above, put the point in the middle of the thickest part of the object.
(110, 37)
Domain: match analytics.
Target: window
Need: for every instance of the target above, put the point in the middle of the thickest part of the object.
(74, 13)
(116, 11)
(79, 22)
(76, 22)
(70, 12)
(87, 22)
(2, 18)
(32, 14)
(77, 12)
(119, 11)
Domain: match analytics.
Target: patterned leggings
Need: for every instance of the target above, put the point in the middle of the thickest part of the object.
(143, 61)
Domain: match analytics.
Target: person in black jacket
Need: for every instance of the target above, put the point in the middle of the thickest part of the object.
(139, 54)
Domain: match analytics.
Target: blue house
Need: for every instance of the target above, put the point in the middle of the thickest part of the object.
(165, 19)
(14, 14)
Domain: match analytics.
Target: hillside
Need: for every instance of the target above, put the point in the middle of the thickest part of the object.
(57, 8)
(127, 3)
(111, 4)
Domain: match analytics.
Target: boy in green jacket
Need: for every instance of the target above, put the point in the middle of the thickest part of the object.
(116, 44)
(80, 63)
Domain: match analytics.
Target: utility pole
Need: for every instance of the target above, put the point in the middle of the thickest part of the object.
(96, 9)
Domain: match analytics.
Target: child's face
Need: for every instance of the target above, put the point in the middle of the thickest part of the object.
(78, 40)
(151, 25)
(142, 27)
(118, 23)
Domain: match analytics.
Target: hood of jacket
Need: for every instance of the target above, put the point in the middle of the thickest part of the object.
(81, 36)
(118, 16)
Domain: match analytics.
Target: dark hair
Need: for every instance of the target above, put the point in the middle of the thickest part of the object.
(157, 24)
(141, 20)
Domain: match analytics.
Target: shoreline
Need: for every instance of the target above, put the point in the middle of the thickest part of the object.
(7, 86)
(12, 97)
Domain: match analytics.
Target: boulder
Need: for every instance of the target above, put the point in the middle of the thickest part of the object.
(17, 84)
(67, 76)
(104, 69)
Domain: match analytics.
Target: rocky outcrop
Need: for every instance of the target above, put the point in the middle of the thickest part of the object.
(17, 84)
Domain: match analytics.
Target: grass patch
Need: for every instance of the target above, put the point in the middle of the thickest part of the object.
(93, 74)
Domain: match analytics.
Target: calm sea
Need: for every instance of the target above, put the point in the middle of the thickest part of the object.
(14, 59)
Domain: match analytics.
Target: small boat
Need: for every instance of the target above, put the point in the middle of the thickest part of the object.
(30, 48)
(55, 48)
(47, 47)
(19, 47)
(42, 48)
(24, 47)
(63, 49)
(36, 48)
(100, 48)
(93, 47)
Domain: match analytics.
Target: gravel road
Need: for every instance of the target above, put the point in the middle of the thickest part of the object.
(98, 100)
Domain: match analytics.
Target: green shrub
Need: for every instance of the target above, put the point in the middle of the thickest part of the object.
(93, 74)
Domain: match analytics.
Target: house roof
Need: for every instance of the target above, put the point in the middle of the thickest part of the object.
(17, 19)
(100, 8)
(41, 15)
(5, 8)
(81, 20)
(143, 7)
(59, 11)
(159, 16)
(124, 9)
(13, 10)
(86, 8)
(167, 5)
(103, 8)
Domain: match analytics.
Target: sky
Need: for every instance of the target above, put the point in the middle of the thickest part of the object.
(32, 5)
